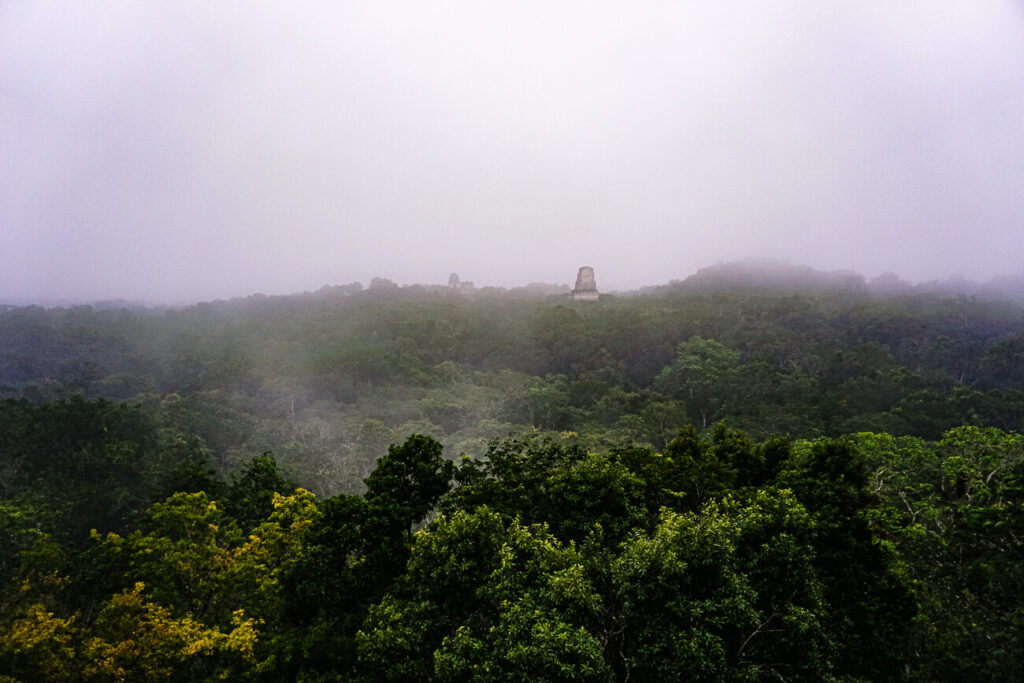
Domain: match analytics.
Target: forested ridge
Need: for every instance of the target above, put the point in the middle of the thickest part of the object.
(705, 481)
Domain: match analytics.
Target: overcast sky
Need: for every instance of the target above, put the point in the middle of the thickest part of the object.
(183, 151)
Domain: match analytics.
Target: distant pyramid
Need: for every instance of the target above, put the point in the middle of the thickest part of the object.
(586, 285)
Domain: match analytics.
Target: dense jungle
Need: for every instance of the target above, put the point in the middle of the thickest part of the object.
(739, 476)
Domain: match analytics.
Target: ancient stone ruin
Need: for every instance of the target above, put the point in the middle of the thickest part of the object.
(460, 288)
(586, 285)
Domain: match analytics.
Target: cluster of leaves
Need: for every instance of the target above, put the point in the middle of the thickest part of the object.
(237, 582)
(71, 466)
(955, 512)
(719, 557)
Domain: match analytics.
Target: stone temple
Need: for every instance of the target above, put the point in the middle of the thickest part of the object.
(586, 285)
(462, 288)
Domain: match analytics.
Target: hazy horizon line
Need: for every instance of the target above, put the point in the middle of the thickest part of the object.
(783, 265)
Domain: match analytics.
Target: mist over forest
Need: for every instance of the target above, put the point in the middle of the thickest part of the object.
(431, 482)
(772, 431)
(327, 379)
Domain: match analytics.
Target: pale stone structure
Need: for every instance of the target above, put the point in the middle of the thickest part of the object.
(586, 285)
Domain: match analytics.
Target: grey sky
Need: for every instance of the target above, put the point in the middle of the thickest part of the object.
(193, 150)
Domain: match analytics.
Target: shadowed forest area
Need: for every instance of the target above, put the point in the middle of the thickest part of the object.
(718, 479)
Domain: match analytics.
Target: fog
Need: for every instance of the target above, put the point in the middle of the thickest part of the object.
(181, 151)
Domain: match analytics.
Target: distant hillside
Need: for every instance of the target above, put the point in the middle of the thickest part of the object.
(778, 275)
(773, 274)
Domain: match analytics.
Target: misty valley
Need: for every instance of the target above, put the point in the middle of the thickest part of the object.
(756, 473)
